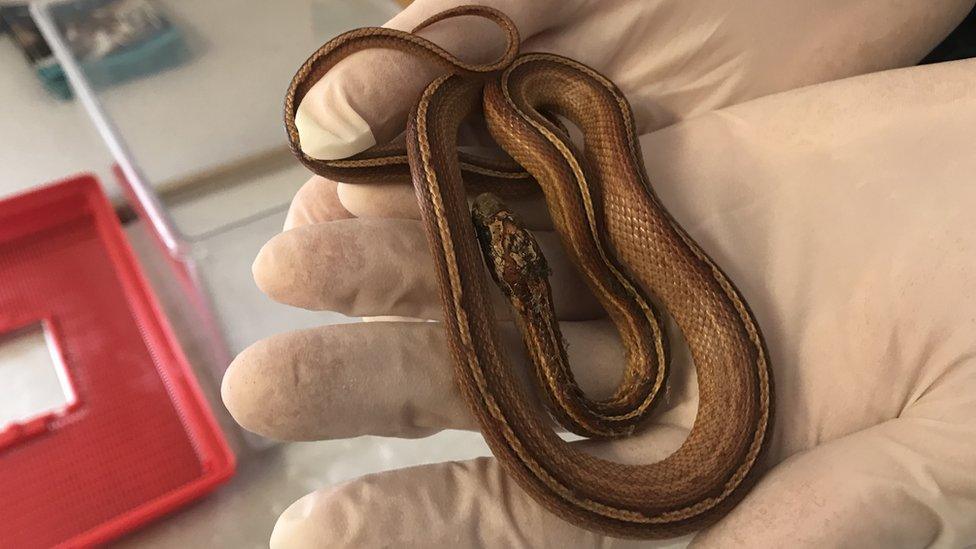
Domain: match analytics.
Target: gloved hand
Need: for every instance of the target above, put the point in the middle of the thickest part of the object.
(842, 211)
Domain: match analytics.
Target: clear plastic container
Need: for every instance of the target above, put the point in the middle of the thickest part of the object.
(201, 163)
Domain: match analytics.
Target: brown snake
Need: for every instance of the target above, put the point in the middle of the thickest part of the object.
(626, 246)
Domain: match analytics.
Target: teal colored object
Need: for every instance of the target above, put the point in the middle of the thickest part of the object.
(113, 40)
(53, 79)
(163, 51)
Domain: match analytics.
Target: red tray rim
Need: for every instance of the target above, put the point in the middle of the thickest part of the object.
(217, 459)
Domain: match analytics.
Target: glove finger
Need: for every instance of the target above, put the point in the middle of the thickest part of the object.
(455, 504)
(397, 379)
(379, 267)
(316, 202)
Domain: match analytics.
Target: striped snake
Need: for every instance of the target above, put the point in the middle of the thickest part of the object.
(633, 255)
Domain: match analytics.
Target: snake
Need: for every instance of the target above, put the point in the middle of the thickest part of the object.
(633, 255)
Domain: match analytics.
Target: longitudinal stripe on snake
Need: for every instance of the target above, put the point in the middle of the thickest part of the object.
(628, 248)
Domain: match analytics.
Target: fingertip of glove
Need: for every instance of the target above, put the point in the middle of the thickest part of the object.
(334, 132)
(279, 267)
(262, 266)
(292, 528)
(237, 392)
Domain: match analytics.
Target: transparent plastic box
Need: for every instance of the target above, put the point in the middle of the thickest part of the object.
(200, 169)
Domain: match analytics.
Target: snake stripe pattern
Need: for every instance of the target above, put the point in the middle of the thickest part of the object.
(634, 256)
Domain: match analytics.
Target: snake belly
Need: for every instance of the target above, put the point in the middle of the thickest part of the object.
(626, 246)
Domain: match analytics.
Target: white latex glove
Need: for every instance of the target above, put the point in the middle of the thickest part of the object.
(842, 211)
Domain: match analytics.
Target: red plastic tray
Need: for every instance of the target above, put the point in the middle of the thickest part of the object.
(139, 439)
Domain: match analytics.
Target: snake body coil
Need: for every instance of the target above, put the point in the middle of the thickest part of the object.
(625, 245)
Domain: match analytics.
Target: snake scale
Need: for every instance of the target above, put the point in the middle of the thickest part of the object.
(631, 252)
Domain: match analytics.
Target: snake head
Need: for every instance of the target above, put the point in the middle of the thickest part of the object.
(512, 254)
